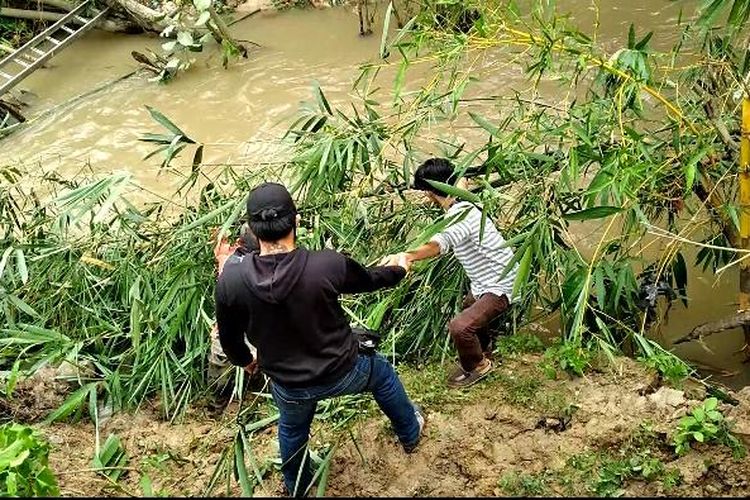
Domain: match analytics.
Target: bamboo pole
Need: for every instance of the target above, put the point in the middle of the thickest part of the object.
(30, 14)
(744, 179)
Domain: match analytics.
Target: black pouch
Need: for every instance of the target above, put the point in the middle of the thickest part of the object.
(368, 340)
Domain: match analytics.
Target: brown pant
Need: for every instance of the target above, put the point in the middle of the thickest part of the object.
(470, 329)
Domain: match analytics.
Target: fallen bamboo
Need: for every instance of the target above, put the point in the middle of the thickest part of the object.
(40, 15)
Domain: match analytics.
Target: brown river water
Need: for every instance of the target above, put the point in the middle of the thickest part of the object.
(240, 113)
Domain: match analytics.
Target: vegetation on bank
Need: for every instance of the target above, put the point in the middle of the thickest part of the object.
(122, 290)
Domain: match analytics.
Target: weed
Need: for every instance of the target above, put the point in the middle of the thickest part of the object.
(569, 356)
(525, 485)
(518, 343)
(520, 389)
(672, 368)
(706, 424)
(24, 469)
(672, 478)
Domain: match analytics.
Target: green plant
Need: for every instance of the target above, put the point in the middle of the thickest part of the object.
(518, 484)
(111, 458)
(706, 424)
(568, 356)
(519, 343)
(672, 478)
(520, 389)
(24, 468)
(668, 366)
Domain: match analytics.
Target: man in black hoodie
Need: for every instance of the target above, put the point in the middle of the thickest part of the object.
(285, 300)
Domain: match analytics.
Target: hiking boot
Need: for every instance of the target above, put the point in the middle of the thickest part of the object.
(421, 421)
(462, 378)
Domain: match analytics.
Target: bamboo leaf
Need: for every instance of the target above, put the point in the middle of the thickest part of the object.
(239, 462)
(644, 41)
(482, 122)
(386, 26)
(592, 213)
(691, 167)
(198, 157)
(71, 404)
(23, 306)
(455, 192)
(23, 271)
(203, 18)
(524, 269)
(322, 101)
(166, 123)
(4, 260)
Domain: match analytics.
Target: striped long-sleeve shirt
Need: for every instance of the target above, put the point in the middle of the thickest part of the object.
(485, 259)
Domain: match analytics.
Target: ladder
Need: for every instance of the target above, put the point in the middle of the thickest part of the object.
(27, 59)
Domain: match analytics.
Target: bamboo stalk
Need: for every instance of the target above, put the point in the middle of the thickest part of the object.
(31, 14)
(744, 180)
(224, 31)
(58, 4)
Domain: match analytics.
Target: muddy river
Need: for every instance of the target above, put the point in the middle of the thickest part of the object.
(240, 113)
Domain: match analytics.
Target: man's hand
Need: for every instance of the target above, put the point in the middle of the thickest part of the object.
(402, 259)
(222, 250)
(252, 368)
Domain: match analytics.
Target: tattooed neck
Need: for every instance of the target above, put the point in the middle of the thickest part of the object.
(275, 247)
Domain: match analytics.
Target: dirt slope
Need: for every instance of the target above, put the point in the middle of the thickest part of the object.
(515, 434)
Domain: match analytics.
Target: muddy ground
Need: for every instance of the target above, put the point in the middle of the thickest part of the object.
(517, 433)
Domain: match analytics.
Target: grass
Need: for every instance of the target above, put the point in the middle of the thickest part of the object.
(602, 472)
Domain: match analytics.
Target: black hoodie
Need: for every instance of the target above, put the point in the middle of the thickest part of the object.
(287, 305)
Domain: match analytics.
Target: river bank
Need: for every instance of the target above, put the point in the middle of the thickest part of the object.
(517, 433)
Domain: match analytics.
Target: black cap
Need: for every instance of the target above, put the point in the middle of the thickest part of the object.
(269, 201)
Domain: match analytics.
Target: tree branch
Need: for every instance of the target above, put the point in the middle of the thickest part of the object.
(706, 329)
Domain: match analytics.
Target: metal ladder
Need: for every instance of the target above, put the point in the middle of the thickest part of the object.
(27, 59)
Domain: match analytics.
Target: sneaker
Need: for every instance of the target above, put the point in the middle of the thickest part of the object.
(421, 421)
(462, 378)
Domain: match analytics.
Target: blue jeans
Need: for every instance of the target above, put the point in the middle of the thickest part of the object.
(297, 407)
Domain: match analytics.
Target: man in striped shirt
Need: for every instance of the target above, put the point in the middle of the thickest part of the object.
(484, 257)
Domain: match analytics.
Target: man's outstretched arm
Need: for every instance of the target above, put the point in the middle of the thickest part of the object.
(232, 322)
(358, 278)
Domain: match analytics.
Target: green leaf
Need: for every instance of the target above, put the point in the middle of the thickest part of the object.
(185, 38)
(23, 271)
(524, 269)
(19, 459)
(242, 475)
(321, 98)
(146, 486)
(455, 192)
(4, 260)
(739, 13)
(714, 415)
(169, 46)
(71, 404)
(23, 306)
(592, 213)
(699, 414)
(166, 123)
(599, 283)
(203, 18)
(631, 36)
(691, 167)
(386, 27)
(711, 404)
(698, 436)
(492, 129)
(644, 41)
(710, 11)
(202, 4)
(157, 138)
(198, 157)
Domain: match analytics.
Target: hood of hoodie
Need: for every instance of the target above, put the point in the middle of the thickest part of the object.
(272, 277)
